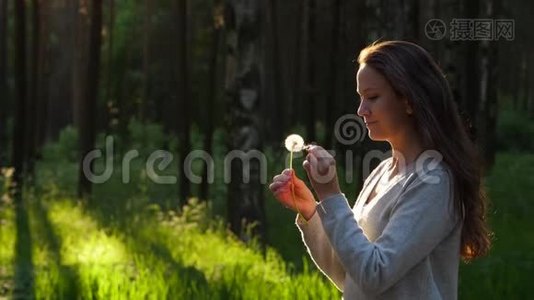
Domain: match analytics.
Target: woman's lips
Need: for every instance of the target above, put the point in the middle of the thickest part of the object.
(370, 123)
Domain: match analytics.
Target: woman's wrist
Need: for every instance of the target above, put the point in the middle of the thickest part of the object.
(309, 210)
(327, 194)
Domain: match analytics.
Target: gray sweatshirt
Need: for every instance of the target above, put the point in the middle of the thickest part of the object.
(404, 244)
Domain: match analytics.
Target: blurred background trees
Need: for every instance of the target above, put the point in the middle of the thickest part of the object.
(254, 70)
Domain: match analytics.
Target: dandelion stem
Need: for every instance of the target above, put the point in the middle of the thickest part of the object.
(291, 160)
(293, 185)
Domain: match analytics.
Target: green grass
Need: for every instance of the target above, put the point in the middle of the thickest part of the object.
(506, 273)
(157, 256)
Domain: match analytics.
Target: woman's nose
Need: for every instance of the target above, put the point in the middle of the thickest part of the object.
(363, 110)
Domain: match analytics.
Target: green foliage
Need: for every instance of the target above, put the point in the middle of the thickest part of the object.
(146, 137)
(65, 149)
(7, 244)
(218, 190)
(506, 272)
(57, 172)
(515, 131)
(6, 175)
(7, 236)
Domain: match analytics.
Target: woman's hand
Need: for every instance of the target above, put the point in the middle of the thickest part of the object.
(321, 169)
(304, 200)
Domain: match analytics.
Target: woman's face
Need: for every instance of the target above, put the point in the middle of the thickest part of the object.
(385, 114)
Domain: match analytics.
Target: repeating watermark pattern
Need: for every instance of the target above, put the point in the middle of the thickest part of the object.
(427, 162)
(349, 129)
(208, 160)
(471, 29)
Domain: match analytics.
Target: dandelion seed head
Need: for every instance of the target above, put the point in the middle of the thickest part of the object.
(294, 142)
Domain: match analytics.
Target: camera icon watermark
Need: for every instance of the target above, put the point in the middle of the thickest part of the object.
(435, 29)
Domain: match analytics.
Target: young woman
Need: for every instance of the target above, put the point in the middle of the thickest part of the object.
(413, 220)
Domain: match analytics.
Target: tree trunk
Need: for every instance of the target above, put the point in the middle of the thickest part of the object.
(218, 23)
(122, 104)
(331, 101)
(278, 94)
(530, 93)
(43, 65)
(298, 83)
(243, 86)
(112, 115)
(19, 150)
(33, 97)
(183, 97)
(87, 130)
(489, 96)
(518, 76)
(4, 93)
(526, 81)
(471, 86)
(145, 107)
(310, 86)
(63, 18)
(80, 60)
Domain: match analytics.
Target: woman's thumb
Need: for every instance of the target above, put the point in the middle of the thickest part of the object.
(306, 166)
(296, 181)
(287, 172)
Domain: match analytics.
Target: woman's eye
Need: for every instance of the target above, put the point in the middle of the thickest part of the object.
(362, 98)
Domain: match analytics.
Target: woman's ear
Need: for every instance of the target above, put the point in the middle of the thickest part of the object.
(408, 107)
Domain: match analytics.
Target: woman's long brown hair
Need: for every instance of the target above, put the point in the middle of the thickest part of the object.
(415, 75)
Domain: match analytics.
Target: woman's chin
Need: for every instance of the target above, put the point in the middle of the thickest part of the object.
(375, 136)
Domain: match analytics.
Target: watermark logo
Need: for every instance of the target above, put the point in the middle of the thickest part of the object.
(208, 160)
(245, 158)
(350, 129)
(165, 159)
(97, 153)
(471, 29)
(435, 29)
(428, 161)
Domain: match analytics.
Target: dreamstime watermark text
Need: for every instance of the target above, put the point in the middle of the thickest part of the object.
(349, 129)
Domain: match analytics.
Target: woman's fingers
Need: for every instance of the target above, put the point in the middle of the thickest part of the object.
(281, 193)
(284, 177)
(318, 161)
(281, 180)
(277, 185)
(324, 159)
(292, 192)
(321, 168)
(287, 172)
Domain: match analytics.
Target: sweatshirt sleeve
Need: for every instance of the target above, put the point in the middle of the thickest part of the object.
(419, 220)
(320, 249)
